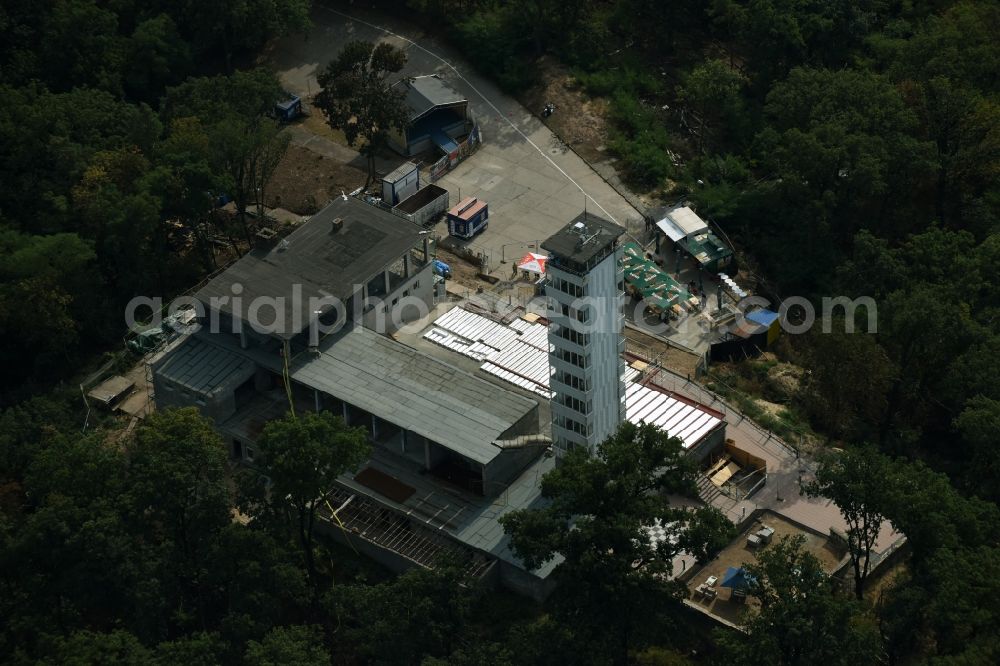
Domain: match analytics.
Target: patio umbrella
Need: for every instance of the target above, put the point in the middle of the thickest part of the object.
(533, 263)
(736, 578)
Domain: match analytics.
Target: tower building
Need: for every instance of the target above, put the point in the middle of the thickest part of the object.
(586, 341)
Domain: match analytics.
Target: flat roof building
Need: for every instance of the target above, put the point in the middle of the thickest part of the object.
(692, 234)
(349, 250)
(447, 444)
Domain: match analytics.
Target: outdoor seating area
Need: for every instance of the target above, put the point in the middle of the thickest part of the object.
(707, 589)
(646, 280)
(722, 586)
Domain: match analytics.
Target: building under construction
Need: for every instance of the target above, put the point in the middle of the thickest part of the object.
(452, 451)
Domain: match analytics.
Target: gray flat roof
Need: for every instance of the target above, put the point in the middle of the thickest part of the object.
(414, 391)
(324, 264)
(426, 93)
(583, 238)
(204, 368)
(403, 386)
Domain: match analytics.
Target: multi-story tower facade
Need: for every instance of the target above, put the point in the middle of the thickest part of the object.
(585, 292)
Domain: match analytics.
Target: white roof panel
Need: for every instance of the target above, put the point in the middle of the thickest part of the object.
(672, 231)
(518, 353)
(679, 419)
(685, 220)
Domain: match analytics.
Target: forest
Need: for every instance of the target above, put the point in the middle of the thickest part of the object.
(848, 148)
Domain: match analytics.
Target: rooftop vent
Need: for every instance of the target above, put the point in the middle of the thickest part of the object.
(266, 237)
(337, 225)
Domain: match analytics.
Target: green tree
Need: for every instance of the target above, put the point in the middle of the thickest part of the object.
(80, 46)
(231, 26)
(45, 154)
(800, 620)
(421, 613)
(357, 97)
(53, 274)
(78, 562)
(303, 456)
(846, 140)
(282, 646)
(260, 583)
(87, 648)
(180, 491)
(849, 377)
(856, 482)
(200, 649)
(711, 91)
(613, 581)
(157, 57)
(936, 611)
(245, 144)
(979, 427)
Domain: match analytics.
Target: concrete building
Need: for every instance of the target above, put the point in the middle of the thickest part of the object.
(452, 451)
(349, 262)
(586, 335)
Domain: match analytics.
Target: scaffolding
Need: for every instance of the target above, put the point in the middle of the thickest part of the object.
(365, 519)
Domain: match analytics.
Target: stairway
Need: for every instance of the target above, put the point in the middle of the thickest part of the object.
(708, 491)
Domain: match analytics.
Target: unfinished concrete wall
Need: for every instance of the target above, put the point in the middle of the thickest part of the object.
(506, 467)
(410, 300)
(525, 583)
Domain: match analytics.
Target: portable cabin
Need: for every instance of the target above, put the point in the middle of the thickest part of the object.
(288, 109)
(402, 182)
(468, 218)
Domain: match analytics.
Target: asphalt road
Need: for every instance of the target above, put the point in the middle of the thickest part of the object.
(533, 183)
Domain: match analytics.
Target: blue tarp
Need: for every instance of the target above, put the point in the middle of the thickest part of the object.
(763, 317)
(736, 578)
(441, 268)
(444, 142)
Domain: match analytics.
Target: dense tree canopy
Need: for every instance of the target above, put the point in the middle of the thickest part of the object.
(800, 620)
(847, 148)
(614, 582)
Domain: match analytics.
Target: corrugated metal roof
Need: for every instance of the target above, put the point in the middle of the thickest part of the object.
(517, 359)
(687, 221)
(523, 365)
(516, 353)
(413, 391)
(679, 419)
(399, 172)
(425, 93)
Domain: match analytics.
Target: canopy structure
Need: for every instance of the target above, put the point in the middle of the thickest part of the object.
(680, 223)
(533, 263)
(649, 281)
(737, 578)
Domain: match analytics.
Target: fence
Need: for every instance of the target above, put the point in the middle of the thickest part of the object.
(453, 159)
